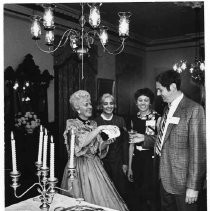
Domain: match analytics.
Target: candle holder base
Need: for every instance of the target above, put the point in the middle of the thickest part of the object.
(72, 173)
(44, 168)
(52, 183)
(15, 178)
(45, 207)
(38, 165)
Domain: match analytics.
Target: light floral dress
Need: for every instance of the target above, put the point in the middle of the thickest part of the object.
(92, 182)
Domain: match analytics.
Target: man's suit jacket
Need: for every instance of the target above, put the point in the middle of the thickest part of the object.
(183, 155)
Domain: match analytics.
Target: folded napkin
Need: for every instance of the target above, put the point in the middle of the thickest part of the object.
(111, 131)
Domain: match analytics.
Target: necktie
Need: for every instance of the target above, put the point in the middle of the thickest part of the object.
(160, 134)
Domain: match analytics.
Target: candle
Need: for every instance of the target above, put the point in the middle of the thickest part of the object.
(12, 135)
(40, 145)
(71, 162)
(14, 163)
(52, 159)
(45, 150)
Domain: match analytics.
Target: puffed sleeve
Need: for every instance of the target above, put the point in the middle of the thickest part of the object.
(69, 125)
(80, 135)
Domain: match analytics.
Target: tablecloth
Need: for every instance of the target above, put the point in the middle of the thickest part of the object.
(59, 200)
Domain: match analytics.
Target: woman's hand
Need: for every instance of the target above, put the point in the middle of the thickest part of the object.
(130, 175)
(136, 138)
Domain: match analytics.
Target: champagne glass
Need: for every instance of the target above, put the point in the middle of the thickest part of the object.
(131, 132)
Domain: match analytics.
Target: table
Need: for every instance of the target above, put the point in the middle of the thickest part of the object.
(59, 200)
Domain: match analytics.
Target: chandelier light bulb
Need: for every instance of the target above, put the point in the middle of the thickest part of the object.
(27, 84)
(16, 85)
(36, 28)
(49, 38)
(175, 67)
(27, 99)
(103, 35)
(191, 70)
(124, 24)
(94, 17)
(183, 65)
(202, 66)
(48, 17)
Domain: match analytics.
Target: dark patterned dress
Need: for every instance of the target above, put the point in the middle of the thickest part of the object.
(143, 159)
(117, 155)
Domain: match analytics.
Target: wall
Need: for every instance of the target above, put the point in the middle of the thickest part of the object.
(163, 58)
(18, 43)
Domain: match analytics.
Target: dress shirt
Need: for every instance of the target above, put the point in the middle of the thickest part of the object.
(172, 108)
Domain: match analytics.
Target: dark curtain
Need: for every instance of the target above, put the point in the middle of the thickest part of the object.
(68, 79)
(129, 78)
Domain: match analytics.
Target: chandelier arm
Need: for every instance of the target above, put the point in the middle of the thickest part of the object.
(45, 51)
(59, 44)
(118, 50)
(67, 37)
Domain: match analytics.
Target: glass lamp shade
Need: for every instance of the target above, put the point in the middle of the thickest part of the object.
(94, 17)
(49, 38)
(35, 28)
(48, 17)
(124, 24)
(103, 35)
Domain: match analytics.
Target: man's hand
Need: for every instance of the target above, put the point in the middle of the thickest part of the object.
(191, 196)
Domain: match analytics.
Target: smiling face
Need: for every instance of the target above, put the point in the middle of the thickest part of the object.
(166, 95)
(108, 106)
(143, 103)
(85, 109)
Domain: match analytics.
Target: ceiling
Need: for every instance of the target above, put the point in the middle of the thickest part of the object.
(154, 20)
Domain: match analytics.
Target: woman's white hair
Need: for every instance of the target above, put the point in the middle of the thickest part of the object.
(103, 97)
(77, 97)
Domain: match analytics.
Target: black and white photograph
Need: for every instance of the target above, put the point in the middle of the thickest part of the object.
(105, 106)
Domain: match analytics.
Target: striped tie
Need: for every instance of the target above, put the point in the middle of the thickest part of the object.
(160, 134)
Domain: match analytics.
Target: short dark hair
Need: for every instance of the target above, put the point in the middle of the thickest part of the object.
(168, 77)
(146, 92)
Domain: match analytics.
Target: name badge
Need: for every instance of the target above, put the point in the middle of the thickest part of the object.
(174, 120)
(150, 123)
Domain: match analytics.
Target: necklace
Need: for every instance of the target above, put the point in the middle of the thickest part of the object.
(145, 116)
(105, 118)
(85, 122)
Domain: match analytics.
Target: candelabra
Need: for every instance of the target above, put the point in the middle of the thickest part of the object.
(46, 185)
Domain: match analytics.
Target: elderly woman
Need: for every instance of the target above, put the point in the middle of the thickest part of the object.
(140, 170)
(116, 160)
(91, 182)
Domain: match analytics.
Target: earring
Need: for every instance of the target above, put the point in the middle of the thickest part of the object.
(78, 111)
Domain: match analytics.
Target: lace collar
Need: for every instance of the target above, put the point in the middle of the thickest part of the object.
(105, 118)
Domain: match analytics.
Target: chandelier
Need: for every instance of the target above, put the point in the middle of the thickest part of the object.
(81, 40)
(197, 68)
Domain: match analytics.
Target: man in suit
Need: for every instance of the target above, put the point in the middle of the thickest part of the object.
(180, 146)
